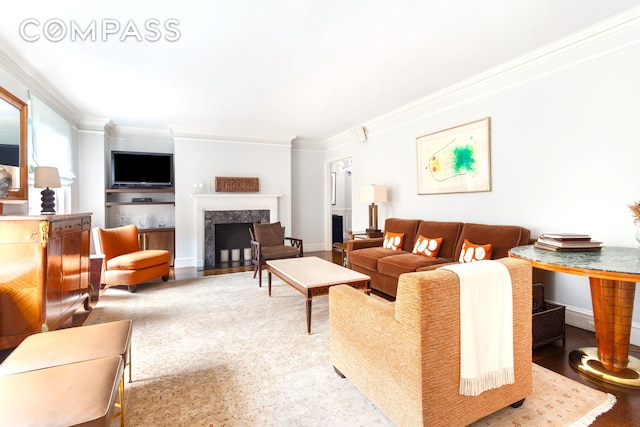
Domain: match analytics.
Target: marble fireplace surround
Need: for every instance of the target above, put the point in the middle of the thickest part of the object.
(229, 208)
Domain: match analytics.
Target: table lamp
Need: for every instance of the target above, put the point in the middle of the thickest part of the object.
(47, 177)
(373, 194)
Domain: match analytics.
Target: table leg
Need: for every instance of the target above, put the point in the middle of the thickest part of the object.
(269, 280)
(309, 299)
(612, 312)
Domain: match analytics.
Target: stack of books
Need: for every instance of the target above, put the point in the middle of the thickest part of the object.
(570, 242)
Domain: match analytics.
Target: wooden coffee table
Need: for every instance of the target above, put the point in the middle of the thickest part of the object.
(313, 276)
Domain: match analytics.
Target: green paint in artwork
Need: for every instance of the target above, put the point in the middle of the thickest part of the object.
(463, 159)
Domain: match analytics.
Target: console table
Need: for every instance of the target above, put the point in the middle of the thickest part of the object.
(613, 273)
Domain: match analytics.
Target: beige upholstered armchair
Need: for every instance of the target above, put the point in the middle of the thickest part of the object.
(405, 355)
(268, 242)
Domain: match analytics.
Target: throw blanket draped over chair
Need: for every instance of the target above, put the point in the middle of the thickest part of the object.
(486, 326)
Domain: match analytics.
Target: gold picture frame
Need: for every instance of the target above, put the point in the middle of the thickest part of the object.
(455, 160)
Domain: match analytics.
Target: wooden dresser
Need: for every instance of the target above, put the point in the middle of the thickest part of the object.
(44, 273)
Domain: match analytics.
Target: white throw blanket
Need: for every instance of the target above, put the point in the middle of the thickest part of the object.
(486, 326)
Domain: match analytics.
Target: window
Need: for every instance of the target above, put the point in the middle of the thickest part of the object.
(49, 145)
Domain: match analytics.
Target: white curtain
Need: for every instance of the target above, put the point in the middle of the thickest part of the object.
(49, 145)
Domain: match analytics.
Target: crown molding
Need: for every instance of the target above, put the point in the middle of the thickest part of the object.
(95, 124)
(210, 135)
(31, 80)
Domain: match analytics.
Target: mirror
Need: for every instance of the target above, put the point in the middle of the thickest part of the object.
(13, 144)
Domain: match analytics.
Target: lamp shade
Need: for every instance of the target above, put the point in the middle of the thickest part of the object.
(46, 177)
(373, 194)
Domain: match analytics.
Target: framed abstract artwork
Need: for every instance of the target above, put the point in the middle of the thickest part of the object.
(455, 160)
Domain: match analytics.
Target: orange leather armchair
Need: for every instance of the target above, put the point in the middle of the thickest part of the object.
(124, 263)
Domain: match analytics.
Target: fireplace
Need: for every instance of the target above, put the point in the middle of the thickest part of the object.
(233, 208)
(228, 231)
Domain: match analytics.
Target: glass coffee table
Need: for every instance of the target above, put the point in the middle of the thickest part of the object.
(313, 276)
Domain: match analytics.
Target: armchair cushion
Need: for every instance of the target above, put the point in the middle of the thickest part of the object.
(271, 234)
(279, 252)
(118, 241)
(139, 260)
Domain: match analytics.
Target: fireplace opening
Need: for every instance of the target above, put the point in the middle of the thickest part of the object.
(233, 244)
(226, 237)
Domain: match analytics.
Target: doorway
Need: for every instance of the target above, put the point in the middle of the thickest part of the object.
(341, 199)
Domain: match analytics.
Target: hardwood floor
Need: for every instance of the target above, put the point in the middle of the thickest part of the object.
(551, 356)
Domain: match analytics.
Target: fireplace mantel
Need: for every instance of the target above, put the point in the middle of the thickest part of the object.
(229, 202)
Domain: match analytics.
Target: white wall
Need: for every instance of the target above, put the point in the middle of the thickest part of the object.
(565, 146)
(201, 160)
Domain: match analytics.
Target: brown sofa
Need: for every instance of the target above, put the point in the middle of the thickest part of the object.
(405, 355)
(385, 266)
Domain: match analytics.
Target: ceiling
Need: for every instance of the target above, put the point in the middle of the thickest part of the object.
(310, 69)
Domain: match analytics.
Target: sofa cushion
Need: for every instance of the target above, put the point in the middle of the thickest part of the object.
(427, 246)
(396, 265)
(449, 231)
(501, 237)
(393, 241)
(474, 252)
(368, 257)
(407, 226)
(139, 260)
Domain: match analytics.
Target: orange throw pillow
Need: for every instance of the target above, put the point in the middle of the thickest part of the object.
(472, 252)
(393, 240)
(427, 246)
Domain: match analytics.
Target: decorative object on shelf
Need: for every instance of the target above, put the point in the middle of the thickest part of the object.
(122, 220)
(161, 222)
(143, 221)
(235, 254)
(5, 182)
(47, 177)
(373, 194)
(237, 185)
(455, 160)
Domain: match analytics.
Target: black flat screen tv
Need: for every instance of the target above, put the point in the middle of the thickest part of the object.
(141, 170)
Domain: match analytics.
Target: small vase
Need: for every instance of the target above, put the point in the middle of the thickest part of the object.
(143, 221)
(638, 234)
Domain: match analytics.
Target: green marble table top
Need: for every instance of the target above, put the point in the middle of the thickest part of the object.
(609, 258)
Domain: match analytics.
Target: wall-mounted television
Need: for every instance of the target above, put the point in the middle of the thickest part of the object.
(135, 169)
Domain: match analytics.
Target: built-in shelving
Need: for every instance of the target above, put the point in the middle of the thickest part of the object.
(115, 196)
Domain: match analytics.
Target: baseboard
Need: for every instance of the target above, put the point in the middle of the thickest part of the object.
(583, 319)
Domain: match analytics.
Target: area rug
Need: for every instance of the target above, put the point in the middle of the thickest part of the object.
(217, 351)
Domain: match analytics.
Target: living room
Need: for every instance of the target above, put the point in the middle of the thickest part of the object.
(564, 149)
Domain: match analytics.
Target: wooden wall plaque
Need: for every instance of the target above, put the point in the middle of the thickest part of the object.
(225, 184)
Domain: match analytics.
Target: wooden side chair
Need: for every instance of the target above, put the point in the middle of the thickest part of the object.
(268, 242)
